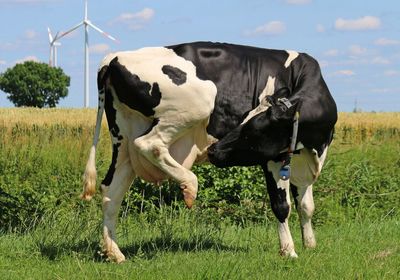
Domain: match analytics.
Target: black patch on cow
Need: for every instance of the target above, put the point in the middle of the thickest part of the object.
(177, 76)
(111, 170)
(153, 124)
(132, 91)
(111, 113)
(114, 130)
(240, 74)
(277, 196)
(295, 194)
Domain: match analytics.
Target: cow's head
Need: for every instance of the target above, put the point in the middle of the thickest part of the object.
(261, 138)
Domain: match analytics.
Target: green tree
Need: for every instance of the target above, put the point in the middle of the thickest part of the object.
(34, 84)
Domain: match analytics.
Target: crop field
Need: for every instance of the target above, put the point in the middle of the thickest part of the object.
(47, 232)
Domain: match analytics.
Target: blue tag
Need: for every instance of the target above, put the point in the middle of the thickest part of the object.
(284, 172)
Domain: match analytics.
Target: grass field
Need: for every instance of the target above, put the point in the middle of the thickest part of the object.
(182, 245)
(46, 232)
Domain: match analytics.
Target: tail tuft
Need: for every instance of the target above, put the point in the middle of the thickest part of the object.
(89, 177)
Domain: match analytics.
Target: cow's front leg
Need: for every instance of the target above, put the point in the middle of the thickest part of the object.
(117, 181)
(305, 207)
(278, 191)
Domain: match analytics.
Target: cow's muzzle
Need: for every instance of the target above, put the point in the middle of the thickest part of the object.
(215, 156)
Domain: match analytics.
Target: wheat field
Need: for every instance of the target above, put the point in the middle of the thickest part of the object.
(350, 128)
(30, 116)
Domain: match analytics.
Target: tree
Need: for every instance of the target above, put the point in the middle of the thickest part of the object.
(34, 84)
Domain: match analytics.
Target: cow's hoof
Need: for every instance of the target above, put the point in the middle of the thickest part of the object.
(309, 243)
(289, 254)
(188, 196)
(116, 257)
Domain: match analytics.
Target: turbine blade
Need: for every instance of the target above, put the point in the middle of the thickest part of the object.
(50, 36)
(69, 31)
(101, 31)
(54, 41)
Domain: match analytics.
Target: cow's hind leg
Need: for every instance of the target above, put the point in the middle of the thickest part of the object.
(306, 168)
(154, 146)
(278, 191)
(117, 181)
(305, 207)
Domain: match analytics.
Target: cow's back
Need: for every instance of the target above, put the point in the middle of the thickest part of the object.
(240, 74)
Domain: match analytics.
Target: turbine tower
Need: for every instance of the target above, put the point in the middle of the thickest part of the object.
(86, 23)
(53, 48)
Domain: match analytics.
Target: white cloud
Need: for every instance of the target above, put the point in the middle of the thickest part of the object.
(357, 50)
(363, 23)
(100, 48)
(344, 73)
(27, 1)
(381, 90)
(270, 28)
(320, 28)
(135, 21)
(380, 60)
(298, 2)
(324, 63)
(3, 62)
(391, 73)
(30, 34)
(386, 42)
(27, 58)
(332, 52)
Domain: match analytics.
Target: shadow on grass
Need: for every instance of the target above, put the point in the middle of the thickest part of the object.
(149, 249)
(91, 250)
(82, 250)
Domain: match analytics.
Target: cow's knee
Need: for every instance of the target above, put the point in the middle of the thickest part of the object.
(306, 209)
(280, 208)
(280, 203)
(146, 146)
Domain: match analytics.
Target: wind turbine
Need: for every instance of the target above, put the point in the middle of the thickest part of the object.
(53, 48)
(86, 23)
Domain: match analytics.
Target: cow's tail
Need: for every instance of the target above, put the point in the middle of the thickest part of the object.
(89, 177)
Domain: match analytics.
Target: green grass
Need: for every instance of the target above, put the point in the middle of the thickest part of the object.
(183, 244)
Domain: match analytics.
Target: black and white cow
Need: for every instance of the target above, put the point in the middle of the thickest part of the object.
(170, 107)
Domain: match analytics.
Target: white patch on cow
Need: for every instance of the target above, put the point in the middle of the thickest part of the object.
(194, 100)
(171, 147)
(292, 56)
(263, 103)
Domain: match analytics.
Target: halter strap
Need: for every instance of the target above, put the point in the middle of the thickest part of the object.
(284, 172)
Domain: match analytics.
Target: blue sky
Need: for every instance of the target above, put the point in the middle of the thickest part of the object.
(357, 42)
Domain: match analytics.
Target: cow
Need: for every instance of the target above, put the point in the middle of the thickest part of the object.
(170, 107)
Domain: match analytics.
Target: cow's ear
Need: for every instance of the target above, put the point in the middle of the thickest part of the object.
(284, 110)
(279, 94)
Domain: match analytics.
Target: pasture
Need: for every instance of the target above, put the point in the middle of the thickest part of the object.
(46, 232)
